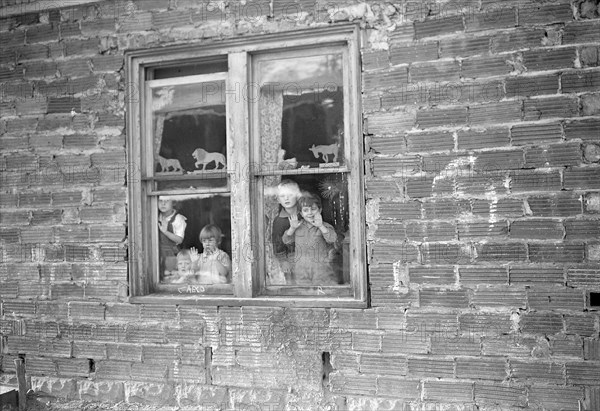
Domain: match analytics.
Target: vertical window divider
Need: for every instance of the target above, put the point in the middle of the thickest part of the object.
(257, 184)
(355, 185)
(137, 247)
(148, 171)
(238, 152)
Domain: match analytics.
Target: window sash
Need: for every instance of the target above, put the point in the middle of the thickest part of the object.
(149, 148)
(350, 101)
(247, 276)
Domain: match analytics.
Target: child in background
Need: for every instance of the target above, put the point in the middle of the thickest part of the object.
(313, 238)
(185, 272)
(171, 227)
(288, 193)
(213, 265)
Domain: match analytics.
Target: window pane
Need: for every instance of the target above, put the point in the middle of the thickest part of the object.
(202, 253)
(218, 64)
(308, 255)
(203, 182)
(189, 128)
(301, 112)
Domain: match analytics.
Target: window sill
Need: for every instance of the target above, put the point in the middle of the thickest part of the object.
(295, 301)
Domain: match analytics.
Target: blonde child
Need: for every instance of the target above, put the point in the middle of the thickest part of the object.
(171, 226)
(288, 193)
(185, 272)
(313, 239)
(213, 265)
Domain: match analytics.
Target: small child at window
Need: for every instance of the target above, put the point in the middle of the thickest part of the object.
(313, 238)
(171, 226)
(185, 272)
(213, 265)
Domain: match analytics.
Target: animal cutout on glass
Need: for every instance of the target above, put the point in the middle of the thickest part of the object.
(285, 164)
(169, 164)
(325, 151)
(203, 158)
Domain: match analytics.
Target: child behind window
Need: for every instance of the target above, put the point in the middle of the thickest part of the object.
(313, 238)
(288, 193)
(213, 265)
(171, 227)
(185, 272)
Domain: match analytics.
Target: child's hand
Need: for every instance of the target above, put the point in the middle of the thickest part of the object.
(294, 222)
(194, 255)
(160, 226)
(318, 220)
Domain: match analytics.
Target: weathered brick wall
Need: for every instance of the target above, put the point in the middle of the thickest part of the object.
(482, 147)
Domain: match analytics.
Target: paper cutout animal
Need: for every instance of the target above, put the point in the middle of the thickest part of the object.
(203, 158)
(169, 163)
(325, 151)
(285, 164)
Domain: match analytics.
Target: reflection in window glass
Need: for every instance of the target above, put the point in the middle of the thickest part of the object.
(308, 231)
(207, 66)
(207, 182)
(301, 112)
(195, 239)
(189, 126)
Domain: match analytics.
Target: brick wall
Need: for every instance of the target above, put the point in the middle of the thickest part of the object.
(482, 148)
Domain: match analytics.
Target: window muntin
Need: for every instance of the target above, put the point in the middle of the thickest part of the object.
(248, 180)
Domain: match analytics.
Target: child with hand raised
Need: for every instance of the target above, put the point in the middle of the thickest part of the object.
(313, 238)
(213, 265)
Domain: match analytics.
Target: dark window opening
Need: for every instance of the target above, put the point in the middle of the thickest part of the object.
(208, 354)
(205, 67)
(327, 367)
(312, 119)
(184, 133)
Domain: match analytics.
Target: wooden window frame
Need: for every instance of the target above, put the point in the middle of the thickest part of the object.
(247, 284)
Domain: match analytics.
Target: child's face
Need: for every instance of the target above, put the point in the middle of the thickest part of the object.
(165, 206)
(184, 266)
(209, 244)
(309, 212)
(287, 196)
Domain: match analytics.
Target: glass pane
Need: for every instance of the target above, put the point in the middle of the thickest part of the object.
(301, 112)
(218, 64)
(307, 237)
(189, 127)
(194, 239)
(216, 180)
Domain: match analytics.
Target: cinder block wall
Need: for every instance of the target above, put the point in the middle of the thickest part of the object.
(482, 150)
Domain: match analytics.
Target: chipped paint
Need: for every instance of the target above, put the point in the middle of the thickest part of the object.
(401, 278)
(372, 215)
(592, 202)
(492, 195)
(594, 252)
(378, 40)
(361, 11)
(372, 210)
(527, 209)
(453, 169)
